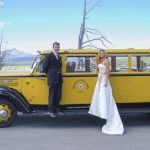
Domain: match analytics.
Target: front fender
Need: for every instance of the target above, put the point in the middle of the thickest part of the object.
(16, 98)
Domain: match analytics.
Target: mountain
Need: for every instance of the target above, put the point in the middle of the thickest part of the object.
(15, 55)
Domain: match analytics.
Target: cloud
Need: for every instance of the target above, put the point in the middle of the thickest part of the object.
(1, 3)
(2, 24)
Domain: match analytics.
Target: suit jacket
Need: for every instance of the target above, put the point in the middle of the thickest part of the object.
(52, 67)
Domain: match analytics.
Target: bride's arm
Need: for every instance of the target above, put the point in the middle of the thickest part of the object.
(98, 72)
(107, 72)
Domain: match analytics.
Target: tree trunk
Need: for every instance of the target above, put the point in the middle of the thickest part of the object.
(82, 28)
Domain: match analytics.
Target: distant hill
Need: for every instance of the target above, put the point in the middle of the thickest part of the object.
(15, 55)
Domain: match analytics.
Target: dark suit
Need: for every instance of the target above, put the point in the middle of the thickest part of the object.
(52, 66)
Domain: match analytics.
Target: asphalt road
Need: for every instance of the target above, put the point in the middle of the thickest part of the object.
(74, 132)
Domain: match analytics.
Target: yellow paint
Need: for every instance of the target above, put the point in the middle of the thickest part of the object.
(78, 87)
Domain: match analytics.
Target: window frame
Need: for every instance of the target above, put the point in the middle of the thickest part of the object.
(95, 55)
(120, 55)
(78, 73)
(141, 72)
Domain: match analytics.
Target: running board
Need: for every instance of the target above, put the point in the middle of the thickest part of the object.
(134, 110)
(84, 111)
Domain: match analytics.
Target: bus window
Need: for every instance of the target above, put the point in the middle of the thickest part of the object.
(81, 64)
(145, 64)
(141, 63)
(121, 63)
(135, 67)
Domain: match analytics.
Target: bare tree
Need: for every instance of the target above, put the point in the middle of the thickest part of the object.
(3, 51)
(86, 32)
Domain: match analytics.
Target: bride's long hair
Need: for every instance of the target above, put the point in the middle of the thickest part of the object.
(99, 56)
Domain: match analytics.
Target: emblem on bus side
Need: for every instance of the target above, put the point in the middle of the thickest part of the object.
(81, 86)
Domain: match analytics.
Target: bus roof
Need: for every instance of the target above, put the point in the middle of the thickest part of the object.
(93, 51)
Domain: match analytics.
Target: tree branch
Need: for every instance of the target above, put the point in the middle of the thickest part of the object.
(108, 41)
(96, 4)
(96, 31)
(1, 42)
(92, 32)
(100, 34)
(89, 41)
(89, 2)
(87, 46)
(97, 39)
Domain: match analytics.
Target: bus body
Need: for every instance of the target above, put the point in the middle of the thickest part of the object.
(28, 91)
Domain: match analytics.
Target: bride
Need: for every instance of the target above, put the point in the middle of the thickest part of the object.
(103, 104)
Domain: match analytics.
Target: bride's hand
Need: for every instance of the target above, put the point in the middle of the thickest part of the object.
(106, 84)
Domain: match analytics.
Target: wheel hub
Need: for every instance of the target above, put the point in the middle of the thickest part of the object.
(3, 113)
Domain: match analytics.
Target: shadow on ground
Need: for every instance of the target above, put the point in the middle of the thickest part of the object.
(76, 121)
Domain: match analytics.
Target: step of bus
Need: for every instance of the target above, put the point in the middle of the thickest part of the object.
(78, 112)
(134, 110)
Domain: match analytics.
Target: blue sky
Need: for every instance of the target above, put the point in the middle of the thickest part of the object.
(33, 25)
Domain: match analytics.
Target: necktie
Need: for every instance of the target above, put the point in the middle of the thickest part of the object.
(56, 56)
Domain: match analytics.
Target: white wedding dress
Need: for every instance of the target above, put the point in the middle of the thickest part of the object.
(103, 105)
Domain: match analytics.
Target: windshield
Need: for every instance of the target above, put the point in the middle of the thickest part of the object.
(17, 66)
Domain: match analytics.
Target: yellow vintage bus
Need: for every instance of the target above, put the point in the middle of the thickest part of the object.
(27, 92)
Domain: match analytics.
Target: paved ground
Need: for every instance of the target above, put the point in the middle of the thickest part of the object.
(74, 132)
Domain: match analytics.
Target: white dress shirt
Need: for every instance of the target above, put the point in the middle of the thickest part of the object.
(56, 54)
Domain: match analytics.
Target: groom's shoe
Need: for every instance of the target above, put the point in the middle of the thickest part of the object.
(60, 113)
(53, 115)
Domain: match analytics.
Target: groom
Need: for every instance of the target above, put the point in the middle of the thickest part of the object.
(52, 66)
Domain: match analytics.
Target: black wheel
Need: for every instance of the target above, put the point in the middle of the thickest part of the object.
(8, 113)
